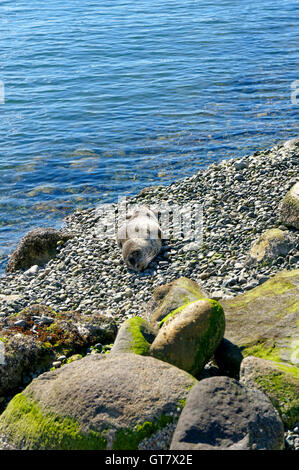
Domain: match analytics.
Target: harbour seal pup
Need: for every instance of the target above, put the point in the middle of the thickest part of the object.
(139, 238)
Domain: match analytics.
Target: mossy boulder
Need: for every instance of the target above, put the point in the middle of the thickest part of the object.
(289, 208)
(34, 338)
(99, 402)
(133, 336)
(270, 245)
(37, 247)
(277, 380)
(172, 296)
(189, 335)
(264, 321)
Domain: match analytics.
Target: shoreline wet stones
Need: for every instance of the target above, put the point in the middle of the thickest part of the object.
(240, 201)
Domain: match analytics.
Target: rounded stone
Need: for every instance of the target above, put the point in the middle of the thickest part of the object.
(220, 413)
(98, 402)
(270, 245)
(289, 209)
(37, 247)
(189, 336)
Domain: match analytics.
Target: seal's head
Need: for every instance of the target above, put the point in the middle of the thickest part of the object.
(136, 256)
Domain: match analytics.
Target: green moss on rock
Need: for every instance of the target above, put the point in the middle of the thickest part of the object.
(74, 357)
(127, 439)
(134, 336)
(264, 321)
(272, 286)
(289, 210)
(285, 393)
(216, 329)
(180, 293)
(174, 313)
(25, 425)
(262, 351)
(279, 381)
(139, 345)
(189, 335)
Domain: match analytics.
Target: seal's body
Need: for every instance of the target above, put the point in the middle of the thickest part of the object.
(139, 238)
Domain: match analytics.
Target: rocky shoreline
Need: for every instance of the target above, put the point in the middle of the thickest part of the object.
(242, 201)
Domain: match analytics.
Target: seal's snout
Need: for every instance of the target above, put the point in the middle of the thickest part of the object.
(134, 260)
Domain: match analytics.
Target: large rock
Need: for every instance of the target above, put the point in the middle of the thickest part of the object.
(172, 296)
(22, 357)
(189, 336)
(99, 402)
(264, 321)
(280, 382)
(36, 337)
(270, 245)
(221, 413)
(289, 208)
(37, 247)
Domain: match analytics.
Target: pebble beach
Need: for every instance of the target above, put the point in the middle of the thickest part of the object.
(240, 199)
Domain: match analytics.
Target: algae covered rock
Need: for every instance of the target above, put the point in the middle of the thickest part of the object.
(189, 335)
(270, 245)
(280, 382)
(23, 357)
(289, 208)
(37, 247)
(37, 336)
(172, 296)
(133, 336)
(222, 414)
(264, 321)
(99, 402)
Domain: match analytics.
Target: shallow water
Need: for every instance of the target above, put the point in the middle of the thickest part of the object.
(104, 98)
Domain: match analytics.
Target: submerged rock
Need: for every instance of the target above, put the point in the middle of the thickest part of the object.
(99, 402)
(37, 247)
(220, 413)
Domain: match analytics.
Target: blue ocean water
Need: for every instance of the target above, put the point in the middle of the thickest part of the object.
(103, 98)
